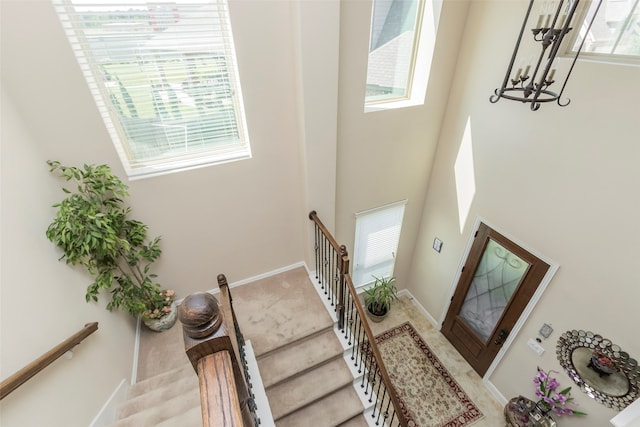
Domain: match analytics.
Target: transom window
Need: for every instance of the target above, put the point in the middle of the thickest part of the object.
(164, 78)
(615, 33)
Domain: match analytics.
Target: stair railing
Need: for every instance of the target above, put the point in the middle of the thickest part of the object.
(215, 346)
(332, 273)
(29, 371)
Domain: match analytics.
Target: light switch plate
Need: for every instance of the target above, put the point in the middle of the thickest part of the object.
(437, 244)
(537, 348)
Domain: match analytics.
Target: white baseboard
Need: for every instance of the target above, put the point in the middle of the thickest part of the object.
(420, 307)
(495, 392)
(259, 277)
(107, 414)
(136, 352)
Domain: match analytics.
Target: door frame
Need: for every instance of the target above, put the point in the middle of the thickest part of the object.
(553, 267)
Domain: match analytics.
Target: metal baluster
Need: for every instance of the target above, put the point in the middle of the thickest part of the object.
(325, 269)
(331, 276)
(323, 248)
(393, 416)
(360, 339)
(386, 411)
(349, 331)
(316, 249)
(373, 414)
(381, 401)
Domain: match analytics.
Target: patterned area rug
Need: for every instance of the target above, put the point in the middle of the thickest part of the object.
(430, 395)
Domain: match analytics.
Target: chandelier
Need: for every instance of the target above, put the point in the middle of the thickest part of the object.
(532, 80)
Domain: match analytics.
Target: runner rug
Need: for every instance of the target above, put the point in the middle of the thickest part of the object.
(429, 394)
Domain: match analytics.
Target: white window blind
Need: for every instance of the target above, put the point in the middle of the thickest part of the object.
(164, 78)
(376, 242)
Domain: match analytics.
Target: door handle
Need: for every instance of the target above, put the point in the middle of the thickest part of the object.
(502, 335)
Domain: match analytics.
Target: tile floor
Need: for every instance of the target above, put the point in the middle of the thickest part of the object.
(405, 310)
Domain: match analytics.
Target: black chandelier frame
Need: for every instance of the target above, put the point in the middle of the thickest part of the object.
(534, 89)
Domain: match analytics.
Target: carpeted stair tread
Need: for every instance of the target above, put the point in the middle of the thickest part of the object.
(273, 313)
(293, 394)
(153, 416)
(357, 421)
(190, 418)
(299, 357)
(159, 380)
(329, 411)
(159, 395)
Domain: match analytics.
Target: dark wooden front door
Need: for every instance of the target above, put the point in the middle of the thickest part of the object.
(497, 281)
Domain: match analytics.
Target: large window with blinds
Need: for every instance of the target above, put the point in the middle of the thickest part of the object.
(614, 35)
(376, 242)
(164, 78)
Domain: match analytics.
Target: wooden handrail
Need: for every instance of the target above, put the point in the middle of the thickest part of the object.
(342, 261)
(345, 291)
(218, 391)
(243, 384)
(24, 374)
(376, 354)
(212, 347)
(227, 311)
(313, 216)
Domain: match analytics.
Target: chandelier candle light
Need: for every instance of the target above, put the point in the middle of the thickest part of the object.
(553, 24)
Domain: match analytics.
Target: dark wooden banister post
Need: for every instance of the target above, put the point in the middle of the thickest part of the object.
(208, 344)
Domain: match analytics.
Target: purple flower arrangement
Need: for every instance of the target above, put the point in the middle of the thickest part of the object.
(547, 390)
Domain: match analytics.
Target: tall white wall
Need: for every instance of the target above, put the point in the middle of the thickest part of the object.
(42, 300)
(564, 181)
(318, 43)
(242, 218)
(386, 156)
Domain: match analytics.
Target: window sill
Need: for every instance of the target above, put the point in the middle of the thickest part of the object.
(405, 103)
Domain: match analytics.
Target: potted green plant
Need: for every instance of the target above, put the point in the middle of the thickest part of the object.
(93, 229)
(378, 298)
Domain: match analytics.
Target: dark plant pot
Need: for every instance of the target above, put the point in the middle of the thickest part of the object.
(376, 317)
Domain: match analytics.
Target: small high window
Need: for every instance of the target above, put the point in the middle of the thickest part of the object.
(614, 35)
(400, 50)
(164, 78)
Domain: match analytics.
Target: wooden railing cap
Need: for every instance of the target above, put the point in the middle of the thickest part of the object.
(200, 315)
(222, 280)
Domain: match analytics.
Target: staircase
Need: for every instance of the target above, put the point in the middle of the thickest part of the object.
(300, 359)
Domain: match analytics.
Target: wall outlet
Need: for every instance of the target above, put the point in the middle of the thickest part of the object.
(537, 348)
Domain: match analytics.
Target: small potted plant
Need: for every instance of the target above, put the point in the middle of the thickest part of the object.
(378, 298)
(93, 229)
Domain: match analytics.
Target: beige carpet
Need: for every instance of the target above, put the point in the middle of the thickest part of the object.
(430, 395)
(279, 310)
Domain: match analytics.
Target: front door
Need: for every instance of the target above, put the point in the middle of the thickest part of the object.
(497, 281)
